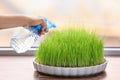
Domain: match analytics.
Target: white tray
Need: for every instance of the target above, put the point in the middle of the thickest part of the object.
(69, 71)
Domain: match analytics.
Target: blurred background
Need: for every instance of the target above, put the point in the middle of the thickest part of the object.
(101, 15)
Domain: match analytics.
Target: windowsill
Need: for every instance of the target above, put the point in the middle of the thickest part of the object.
(7, 51)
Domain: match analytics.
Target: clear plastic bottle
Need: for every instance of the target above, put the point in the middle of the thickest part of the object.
(22, 40)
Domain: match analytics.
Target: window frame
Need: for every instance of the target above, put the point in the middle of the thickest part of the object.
(8, 51)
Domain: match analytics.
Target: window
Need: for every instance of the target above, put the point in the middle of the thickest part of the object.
(102, 15)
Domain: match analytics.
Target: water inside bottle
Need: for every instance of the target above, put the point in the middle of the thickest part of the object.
(22, 43)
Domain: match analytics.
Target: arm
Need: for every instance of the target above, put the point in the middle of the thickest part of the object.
(20, 20)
